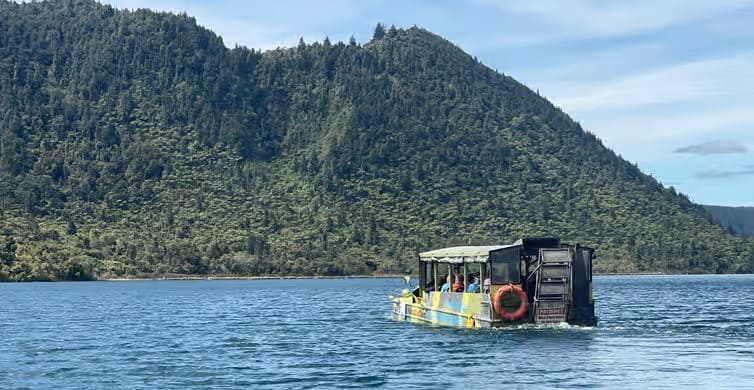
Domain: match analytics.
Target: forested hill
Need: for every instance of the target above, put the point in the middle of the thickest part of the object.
(137, 143)
(738, 220)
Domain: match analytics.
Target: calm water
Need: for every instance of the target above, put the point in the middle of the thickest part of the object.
(654, 331)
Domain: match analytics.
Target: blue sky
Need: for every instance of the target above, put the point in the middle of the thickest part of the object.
(666, 84)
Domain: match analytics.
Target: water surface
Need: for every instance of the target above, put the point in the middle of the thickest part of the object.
(654, 332)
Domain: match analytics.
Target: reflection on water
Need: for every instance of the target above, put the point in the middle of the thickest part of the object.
(654, 331)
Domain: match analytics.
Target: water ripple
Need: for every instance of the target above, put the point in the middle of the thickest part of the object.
(657, 332)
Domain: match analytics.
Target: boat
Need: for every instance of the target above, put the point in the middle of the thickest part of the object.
(535, 280)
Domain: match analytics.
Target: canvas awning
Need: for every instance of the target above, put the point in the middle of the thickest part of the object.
(463, 254)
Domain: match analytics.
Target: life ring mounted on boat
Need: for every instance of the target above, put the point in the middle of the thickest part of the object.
(497, 302)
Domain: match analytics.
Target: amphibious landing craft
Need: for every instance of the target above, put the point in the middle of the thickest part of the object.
(534, 280)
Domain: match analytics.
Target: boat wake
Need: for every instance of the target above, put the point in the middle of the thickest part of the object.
(554, 326)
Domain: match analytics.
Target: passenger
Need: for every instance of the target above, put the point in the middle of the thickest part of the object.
(458, 285)
(486, 285)
(474, 285)
(446, 286)
(430, 286)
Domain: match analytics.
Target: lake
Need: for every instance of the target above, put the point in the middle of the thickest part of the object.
(654, 332)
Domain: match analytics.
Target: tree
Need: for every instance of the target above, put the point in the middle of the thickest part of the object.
(379, 32)
(71, 229)
(7, 251)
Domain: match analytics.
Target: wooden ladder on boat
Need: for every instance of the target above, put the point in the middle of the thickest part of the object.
(552, 294)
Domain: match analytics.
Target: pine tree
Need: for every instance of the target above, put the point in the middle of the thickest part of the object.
(379, 32)
(71, 229)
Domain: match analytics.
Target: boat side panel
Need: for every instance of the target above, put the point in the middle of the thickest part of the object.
(463, 310)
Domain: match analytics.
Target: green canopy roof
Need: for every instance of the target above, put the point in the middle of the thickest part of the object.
(463, 254)
(461, 251)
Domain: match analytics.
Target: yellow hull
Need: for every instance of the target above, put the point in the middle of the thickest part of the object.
(463, 310)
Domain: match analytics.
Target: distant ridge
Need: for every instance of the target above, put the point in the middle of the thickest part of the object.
(738, 220)
(137, 144)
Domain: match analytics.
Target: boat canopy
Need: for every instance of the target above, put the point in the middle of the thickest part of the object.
(464, 254)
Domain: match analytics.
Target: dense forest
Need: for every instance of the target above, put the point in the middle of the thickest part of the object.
(137, 143)
(737, 220)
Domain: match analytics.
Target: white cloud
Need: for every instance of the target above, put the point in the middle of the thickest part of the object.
(642, 129)
(254, 35)
(702, 81)
(262, 26)
(563, 74)
(597, 18)
(234, 29)
(646, 115)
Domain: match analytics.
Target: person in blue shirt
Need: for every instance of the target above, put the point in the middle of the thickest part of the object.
(446, 286)
(474, 285)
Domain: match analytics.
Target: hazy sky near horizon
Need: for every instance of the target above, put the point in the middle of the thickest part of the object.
(667, 84)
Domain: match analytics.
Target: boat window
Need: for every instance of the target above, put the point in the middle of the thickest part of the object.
(428, 276)
(587, 256)
(423, 275)
(505, 266)
(485, 278)
(443, 270)
(473, 277)
(436, 276)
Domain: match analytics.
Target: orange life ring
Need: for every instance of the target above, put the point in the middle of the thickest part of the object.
(497, 302)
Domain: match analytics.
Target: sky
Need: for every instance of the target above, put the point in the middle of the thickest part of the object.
(666, 84)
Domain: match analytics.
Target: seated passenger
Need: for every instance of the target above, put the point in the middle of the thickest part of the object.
(458, 285)
(474, 285)
(430, 286)
(446, 286)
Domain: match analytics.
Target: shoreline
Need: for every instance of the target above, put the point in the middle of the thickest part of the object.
(232, 277)
(641, 274)
(174, 277)
(386, 276)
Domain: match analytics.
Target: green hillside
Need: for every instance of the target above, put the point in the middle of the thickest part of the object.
(136, 143)
(737, 220)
